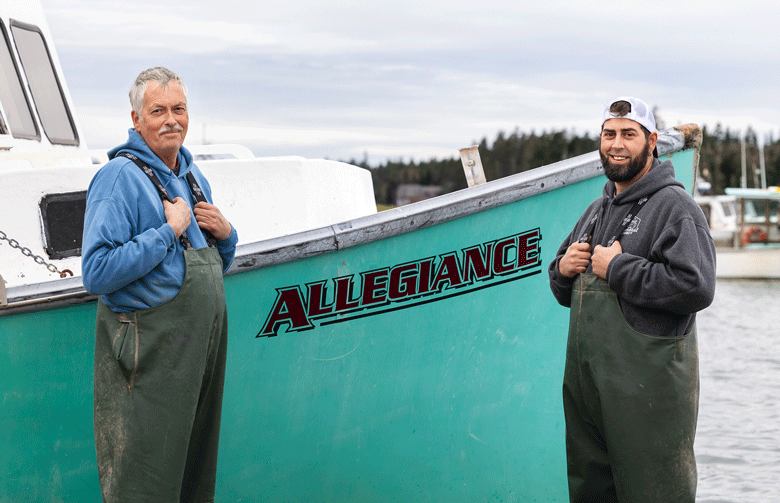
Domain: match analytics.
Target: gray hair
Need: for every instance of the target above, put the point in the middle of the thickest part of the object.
(158, 74)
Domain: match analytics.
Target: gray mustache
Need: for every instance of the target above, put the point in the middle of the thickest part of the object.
(166, 129)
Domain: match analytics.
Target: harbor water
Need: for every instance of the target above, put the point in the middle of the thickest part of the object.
(738, 436)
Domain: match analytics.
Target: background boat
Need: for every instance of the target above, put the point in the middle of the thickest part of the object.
(744, 224)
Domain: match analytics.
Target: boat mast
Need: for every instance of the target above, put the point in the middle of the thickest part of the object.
(743, 180)
(762, 165)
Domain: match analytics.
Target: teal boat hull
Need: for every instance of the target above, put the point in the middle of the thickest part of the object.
(411, 366)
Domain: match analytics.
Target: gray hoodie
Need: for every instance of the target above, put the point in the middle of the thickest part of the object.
(666, 272)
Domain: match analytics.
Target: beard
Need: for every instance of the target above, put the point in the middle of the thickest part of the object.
(622, 174)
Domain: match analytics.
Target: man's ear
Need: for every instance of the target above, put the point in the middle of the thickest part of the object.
(136, 119)
(652, 140)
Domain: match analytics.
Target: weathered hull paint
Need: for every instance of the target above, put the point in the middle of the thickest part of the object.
(452, 394)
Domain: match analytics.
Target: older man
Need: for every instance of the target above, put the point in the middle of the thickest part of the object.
(155, 250)
(637, 267)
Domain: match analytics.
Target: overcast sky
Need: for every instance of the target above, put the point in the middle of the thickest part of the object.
(418, 79)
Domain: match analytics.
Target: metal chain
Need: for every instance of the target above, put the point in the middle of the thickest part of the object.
(38, 260)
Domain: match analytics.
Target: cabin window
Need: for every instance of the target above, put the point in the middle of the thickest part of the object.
(18, 115)
(45, 87)
(705, 208)
(728, 209)
(754, 211)
(63, 223)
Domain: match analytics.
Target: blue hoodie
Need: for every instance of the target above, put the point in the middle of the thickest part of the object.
(130, 254)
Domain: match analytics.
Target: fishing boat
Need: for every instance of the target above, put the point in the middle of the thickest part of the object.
(745, 227)
(414, 354)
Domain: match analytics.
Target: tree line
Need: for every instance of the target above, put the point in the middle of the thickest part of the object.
(720, 160)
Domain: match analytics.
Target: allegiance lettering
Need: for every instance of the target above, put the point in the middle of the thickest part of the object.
(408, 282)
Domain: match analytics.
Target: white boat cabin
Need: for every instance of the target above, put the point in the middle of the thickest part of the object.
(721, 213)
(46, 167)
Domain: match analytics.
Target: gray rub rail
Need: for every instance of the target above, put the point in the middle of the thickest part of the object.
(370, 228)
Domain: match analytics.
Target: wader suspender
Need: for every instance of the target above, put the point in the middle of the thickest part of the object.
(197, 194)
(200, 198)
(587, 236)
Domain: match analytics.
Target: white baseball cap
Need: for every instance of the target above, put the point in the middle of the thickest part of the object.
(639, 112)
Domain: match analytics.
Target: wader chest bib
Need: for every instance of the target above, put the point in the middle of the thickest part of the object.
(631, 404)
(159, 378)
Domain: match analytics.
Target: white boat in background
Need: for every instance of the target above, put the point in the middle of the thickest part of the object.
(745, 225)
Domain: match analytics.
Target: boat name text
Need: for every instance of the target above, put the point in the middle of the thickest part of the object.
(385, 289)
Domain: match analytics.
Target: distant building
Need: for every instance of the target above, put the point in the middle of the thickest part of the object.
(407, 193)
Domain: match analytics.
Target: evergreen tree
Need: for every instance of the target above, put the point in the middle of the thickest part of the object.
(719, 161)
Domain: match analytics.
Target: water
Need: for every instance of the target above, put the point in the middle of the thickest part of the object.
(738, 436)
